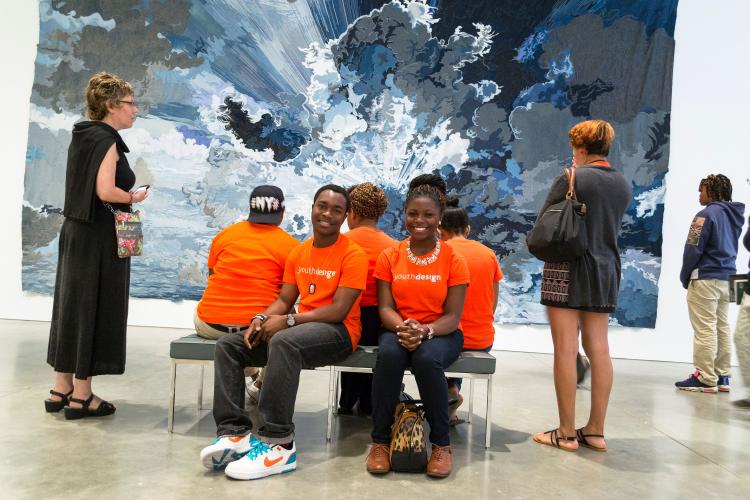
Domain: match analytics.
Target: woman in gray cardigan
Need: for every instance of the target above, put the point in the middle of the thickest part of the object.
(581, 294)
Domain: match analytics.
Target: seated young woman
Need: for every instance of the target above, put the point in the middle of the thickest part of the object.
(421, 289)
(478, 318)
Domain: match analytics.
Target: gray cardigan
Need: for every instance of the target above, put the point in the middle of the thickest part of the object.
(595, 277)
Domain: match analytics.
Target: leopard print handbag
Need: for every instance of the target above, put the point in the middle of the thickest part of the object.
(408, 451)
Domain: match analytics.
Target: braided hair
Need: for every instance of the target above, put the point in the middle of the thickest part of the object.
(718, 187)
(429, 179)
(426, 191)
(368, 200)
(455, 219)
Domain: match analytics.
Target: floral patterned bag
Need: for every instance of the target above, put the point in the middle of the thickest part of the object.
(129, 232)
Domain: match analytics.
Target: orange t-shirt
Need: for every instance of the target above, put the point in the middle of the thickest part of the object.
(342, 264)
(419, 292)
(248, 262)
(478, 317)
(373, 241)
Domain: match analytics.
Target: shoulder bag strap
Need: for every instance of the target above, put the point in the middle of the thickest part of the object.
(571, 173)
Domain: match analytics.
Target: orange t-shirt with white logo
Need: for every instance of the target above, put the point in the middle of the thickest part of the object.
(478, 318)
(322, 271)
(373, 241)
(419, 292)
(248, 262)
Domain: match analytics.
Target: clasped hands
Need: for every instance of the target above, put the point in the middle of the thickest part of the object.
(262, 331)
(410, 334)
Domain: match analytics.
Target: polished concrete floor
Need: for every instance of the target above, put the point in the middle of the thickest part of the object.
(663, 443)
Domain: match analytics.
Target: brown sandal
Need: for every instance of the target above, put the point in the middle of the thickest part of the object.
(555, 438)
(582, 440)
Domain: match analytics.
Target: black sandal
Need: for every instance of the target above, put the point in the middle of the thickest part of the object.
(105, 408)
(555, 438)
(53, 406)
(582, 440)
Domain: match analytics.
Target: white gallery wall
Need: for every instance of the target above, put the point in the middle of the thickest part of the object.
(710, 134)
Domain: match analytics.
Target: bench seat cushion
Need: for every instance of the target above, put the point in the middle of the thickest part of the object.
(468, 362)
(192, 347)
(197, 348)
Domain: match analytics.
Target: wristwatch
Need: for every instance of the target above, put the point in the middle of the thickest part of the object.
(430, 332)
(290, 320)
(261, 317)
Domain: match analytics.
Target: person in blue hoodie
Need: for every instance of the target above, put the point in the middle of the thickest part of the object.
(742, 333)
(707, 261)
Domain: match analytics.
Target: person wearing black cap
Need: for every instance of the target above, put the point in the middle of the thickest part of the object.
(245, 267)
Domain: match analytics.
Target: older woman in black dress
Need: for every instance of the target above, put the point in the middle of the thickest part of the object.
(583, 293)
(90, 310)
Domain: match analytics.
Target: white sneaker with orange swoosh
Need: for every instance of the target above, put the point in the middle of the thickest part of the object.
(226, 449)
(263, 460)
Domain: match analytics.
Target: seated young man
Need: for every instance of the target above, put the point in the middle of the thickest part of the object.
(328, 274)
(245, 269)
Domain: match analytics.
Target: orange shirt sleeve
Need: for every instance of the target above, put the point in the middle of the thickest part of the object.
(290, 268)
(498, 272)
(285, 247)
(354, 268)
(459, 270)
(216, 247)
(383, 266)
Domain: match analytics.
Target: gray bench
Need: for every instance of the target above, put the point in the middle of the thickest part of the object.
(193, 349)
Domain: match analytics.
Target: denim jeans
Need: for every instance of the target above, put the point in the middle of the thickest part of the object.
(308, 345)
(457, 381)
(428, 363)
(358, 386)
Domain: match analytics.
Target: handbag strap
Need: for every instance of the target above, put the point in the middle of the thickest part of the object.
(114, 212)
(109, 207)
(571, 194)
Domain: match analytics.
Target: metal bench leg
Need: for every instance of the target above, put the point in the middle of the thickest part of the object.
(336, 388)
(172, 386)
(329, 413)
(200, 387)
(471, 400)
(488, 414)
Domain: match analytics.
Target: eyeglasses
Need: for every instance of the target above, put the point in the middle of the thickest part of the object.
(132, 103)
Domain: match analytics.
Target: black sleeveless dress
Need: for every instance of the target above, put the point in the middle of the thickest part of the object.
(90, 309)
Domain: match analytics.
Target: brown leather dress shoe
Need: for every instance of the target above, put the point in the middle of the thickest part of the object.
(441, 461)
(378, 461)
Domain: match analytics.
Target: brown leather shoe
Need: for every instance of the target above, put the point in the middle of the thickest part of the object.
(378, 461)
(441, 461)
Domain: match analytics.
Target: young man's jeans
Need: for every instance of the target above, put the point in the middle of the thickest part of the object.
(304, 346)
(428, 363)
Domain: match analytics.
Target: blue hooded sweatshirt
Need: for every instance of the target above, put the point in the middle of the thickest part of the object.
(711, 245)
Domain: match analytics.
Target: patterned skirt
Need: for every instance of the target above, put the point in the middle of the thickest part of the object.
(556, 278)
(555, 283)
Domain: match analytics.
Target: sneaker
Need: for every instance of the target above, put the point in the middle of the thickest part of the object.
(226, 449)
(723, 383)
(692, 383)
(263, 460)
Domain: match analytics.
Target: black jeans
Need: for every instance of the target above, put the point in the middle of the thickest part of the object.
(304, 346)
(358, 386)
(428, 363)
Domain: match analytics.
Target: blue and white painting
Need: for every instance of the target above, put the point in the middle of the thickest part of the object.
(236, 93)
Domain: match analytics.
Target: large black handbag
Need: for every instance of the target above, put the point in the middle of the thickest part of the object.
(559, 233)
